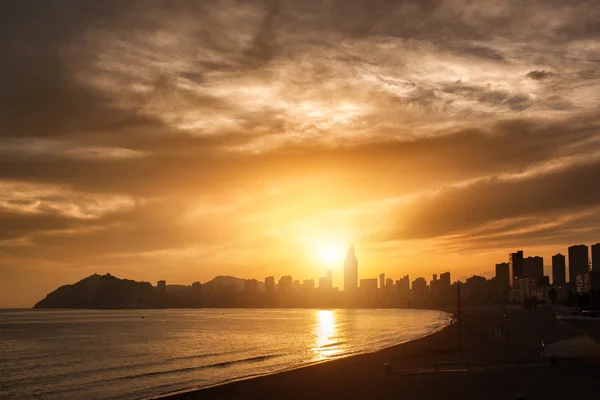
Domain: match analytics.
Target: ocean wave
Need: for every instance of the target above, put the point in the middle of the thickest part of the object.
(204, 355)
(224, 364)
(329, 345)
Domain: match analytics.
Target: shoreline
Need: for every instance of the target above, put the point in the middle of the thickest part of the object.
(176, 395)
(198, 391)
(500, 366)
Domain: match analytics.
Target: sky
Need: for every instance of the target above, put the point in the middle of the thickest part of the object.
(181, 140)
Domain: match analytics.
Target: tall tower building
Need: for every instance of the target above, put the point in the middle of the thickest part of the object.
(270, 285)
(515, 266)
(533, 267)
(596, 257)
(381, 280)
(578, 261)
(350, 271)
(503, 277)
(403, 288)
(445, 279)
(559, 274)
(285, 284)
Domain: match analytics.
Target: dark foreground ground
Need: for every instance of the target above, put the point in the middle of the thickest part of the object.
(504, 363)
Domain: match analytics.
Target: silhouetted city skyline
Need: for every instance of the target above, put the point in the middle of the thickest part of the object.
(519, 279)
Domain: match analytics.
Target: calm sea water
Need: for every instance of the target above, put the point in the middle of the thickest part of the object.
(137, 354)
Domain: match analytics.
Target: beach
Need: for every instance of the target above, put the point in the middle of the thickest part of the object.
(503, 352)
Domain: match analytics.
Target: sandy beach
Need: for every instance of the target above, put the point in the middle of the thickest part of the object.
(503, 362)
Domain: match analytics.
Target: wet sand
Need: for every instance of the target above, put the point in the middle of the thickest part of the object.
(503, 364)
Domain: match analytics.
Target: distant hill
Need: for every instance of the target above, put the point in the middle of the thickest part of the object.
(107, 291)
(100, 291)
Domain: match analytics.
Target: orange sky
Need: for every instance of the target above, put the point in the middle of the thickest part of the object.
(249, 138)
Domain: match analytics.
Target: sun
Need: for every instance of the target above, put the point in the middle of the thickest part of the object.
(325, 249)
(328, 253)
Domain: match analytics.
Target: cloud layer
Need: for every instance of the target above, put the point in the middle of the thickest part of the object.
(194, 138)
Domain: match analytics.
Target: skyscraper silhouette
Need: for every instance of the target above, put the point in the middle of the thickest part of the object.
(350, 271)
(596, 257)
(559, 275)
(578, 261)
(270, 285)
(445, 279)
(503, 278)
(515, 266)
(533, 267)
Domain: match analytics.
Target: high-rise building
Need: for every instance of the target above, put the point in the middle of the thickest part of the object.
(543, 281)
(440, 288)
(381, 280)
(578, 261)
(559, 274)
(162, 286)
(515, 266)
(475, 290)
(308, 284)
(369, 284)
(596, 257)
(434, 289)
(270, 285)
(403, 287)
(588, 282)
(251, 285)
(526, 288)
(533, 267)
(445, 279)
(285, 284)
(350, 270)
(326, 282)
(419, 290)
(503, 276)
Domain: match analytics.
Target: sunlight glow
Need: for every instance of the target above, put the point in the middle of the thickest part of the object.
(329, 254)
(325, 249)
(325, 332)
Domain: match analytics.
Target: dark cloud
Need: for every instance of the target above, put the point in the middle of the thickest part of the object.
(20, 225)
(40, 96)
(465, 90)
(483, 52)
(538, 75)
(494, 97)
(456, 210)
(549, 229)
(146, 227)
(558, 103)
(263, 45)
(43, 94)
(519, 102)
(171, 169)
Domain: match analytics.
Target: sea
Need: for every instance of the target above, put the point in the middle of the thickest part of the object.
(138, 354)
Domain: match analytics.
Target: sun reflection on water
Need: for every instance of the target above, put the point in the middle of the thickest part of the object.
(325, 332)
